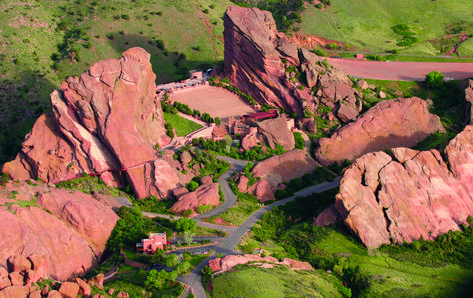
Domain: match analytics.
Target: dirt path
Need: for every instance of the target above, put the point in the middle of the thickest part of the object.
(401, 71)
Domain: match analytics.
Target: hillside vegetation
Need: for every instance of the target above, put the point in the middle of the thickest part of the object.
(43, 42)
(372, 25)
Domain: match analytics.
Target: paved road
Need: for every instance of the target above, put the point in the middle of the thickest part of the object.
(401, 71)
(227, 246)
(229, 197)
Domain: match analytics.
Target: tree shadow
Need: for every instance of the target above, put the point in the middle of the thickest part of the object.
(23, 98)
(168, 65)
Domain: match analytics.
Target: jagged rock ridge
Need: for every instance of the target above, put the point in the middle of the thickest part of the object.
(413, 194)
(391, 123)
(107, 121)
(62, 232)
(254, 55)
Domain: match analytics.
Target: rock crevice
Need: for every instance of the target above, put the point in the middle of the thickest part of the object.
(418, 193)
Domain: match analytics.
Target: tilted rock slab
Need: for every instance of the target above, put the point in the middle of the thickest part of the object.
(254, 54)
(416, 194)
(106, 121)
(63, 233)
(391, 123)
(278, 169)
(206, 194)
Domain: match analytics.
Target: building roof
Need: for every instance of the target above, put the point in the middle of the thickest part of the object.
(157, 234)
(260, 115)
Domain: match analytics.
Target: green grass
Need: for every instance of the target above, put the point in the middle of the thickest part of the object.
(89, 184)
(251, 281)
(247, 205)
(182, 125)
(388, 276)
(366, 25)
(26, 74)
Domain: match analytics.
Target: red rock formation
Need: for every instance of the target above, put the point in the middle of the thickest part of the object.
(416, 194)
(228, 262)
(69, 289)
(107, 120)
(275, 170)
(207, 194)
(62, 233)
(15, 292)
(391, 123)
(254, 55)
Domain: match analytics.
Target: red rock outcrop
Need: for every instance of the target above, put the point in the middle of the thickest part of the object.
(207, 194)
(256, 58)
(413, 195)
(228, 262)
(274, 170)
(107, 121)
(391, 123)
(63, 233)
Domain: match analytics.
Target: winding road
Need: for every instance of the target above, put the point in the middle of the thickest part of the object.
(226, 246)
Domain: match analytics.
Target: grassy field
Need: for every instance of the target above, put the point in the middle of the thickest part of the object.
(391, 277)
(366, 25)
(182, 125)
(252, 281)
(38, 39)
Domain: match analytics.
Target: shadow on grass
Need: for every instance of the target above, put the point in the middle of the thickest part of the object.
(22, 100)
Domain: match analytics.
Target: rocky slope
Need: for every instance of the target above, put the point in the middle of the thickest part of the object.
(391, 123)
(224, 264)
(107, 121)
(413, 194)
(63, 233)
(275, 170)
(256, 59)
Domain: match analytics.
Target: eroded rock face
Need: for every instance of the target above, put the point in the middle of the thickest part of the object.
(275, 131)
(206, 194)
(228, 262)
(62, 233)
(391, 123)
(274, 170)
(413, 195)
(254, 55)
(106, 121)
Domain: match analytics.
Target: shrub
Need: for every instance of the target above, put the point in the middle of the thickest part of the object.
(206, 11)
(110, 36)
(191, 186)
(434, 80)
(125, 17)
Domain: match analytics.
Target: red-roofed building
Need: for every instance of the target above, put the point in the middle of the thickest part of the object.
(272, 113)
(155, 241)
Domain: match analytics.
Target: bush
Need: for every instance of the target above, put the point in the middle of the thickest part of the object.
(434, 80)
(110, 36)
(191, 186)
(300, 143)
(125, 17)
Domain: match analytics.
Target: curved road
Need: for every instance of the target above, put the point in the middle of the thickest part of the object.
(401, 71)
(227, 245)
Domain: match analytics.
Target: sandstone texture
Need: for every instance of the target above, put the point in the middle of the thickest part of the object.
(256, 59)
(206, 194)
(275, 131)
(53, 233)
(275, 170)
(228, 262)
(413, 194)
(391, 123)
(106, 122)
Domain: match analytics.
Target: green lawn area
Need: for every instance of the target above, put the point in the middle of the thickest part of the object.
(237, 214)
(182, 125)
(252, 281)
(391, 278)
(367, 24)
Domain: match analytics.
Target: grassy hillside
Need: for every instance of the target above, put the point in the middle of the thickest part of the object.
(367, 24)
(252, 281)
(43, 42)
(367, 272)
